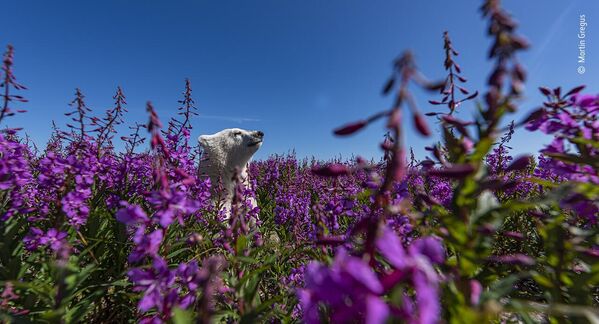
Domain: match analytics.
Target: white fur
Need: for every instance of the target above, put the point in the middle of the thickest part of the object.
(223, 153)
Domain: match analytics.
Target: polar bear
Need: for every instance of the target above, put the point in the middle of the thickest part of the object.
(224, 152)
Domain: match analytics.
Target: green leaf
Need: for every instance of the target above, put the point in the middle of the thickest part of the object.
(177, 252)
(481, 149)
(76, 313)
(249, 260)
(571, 158)
(542, 280)
(182, 316)
(584, 141)
(502, 287)
(240, 244)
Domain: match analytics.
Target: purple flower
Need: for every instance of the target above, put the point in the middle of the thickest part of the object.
(587, 102)
(519, 163)
(32, 240)
(54, 239)
(171, 204)
(189, 272)
(131, 214)
(427, 296)
(430, 247)
(155, 283)
(583, 207)
(416, 265)
(164, 288)
(475, 291)
(570, 121)
(377, 310)
(75, 207)
(391, 248)
(145, 244)
(349, 288)
(15, 176)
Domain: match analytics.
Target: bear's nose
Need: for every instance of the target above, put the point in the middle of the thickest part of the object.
(259, 134)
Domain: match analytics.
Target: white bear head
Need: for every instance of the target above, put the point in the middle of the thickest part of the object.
(230, 148)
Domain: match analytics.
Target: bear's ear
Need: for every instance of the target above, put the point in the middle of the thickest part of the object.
(204, 140)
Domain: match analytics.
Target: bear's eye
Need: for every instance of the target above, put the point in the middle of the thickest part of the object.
(236, 133)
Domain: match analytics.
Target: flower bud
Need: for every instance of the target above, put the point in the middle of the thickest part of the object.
(350, 128)
(515, 259)
(456, 171)
(194, 238)
(394, 120)
(421, 125)
(519, 163)
(331, 170)
(515, 235)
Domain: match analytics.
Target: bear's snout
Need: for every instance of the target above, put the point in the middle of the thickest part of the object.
(259, 134)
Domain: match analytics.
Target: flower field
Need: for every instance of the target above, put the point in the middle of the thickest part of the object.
(94, 234)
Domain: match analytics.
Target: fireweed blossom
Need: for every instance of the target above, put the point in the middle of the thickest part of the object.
(157, 283)
(32, 240)
(295, 280)
(161, 289)
(131, 214)
(568, 121)
(241, 219)
(146, 244)
(578, 117)
(84, 167)
(53, 171)
(415, 267)
(437, 188)
(74, 205)
(292, 207)
(6, 297)
(53, 239)
(15, 176)
(130, 173)
(79, 166)
(165, 288)
(146, 241)
(172, 204)
(349, 287)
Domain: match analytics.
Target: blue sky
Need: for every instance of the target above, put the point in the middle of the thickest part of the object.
(293, 69)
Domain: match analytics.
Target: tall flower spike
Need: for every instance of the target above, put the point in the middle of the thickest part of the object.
(113, 117)
(454, 75)
(505, 46)
(7, 82)
(157, 144)
(79, 116)
(178, 130)
(154, 125)
(134, 139)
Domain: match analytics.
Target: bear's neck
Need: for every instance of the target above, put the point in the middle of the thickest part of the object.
(220, 169)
